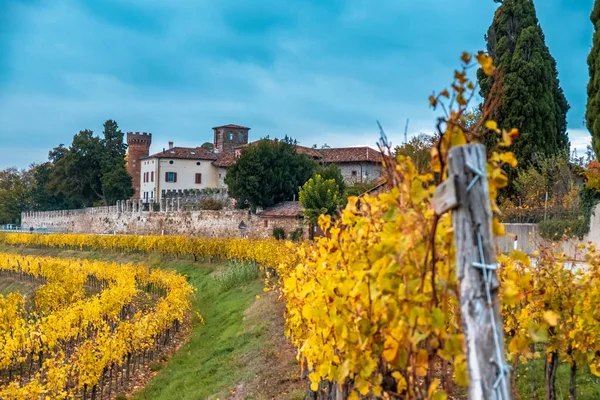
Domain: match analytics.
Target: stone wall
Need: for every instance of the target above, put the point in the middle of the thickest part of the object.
(528, 238)
(354, 173)
(108, 220)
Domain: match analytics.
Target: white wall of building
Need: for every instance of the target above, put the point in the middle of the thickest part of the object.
(186, 176)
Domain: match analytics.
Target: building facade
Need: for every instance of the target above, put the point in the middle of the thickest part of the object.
(177, 169)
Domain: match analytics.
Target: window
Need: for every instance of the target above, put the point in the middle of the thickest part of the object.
(266, 223)
(170, 176)
(219, 176)
(354, 173)
(171, 162)
(241, 137)
(198, 163)
(230, 135)
(198, 178)
(152, 176)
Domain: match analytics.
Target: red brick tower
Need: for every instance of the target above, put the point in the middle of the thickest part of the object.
(138, 146)
(228, 137)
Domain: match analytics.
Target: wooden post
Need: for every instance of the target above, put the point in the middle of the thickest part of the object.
(489, 376)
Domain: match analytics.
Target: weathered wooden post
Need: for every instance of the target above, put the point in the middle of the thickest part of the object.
(466, 193)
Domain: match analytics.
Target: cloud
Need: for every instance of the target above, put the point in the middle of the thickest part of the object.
(321, 72)
(580, 139)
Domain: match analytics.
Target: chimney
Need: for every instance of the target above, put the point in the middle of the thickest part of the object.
(170, 145)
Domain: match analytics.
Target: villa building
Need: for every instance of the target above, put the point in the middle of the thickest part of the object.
(184, 168)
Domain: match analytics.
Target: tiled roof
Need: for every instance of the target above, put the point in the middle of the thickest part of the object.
(285, 209)
(225, 159)
(232, 126)
(350, 154)
(186, 153)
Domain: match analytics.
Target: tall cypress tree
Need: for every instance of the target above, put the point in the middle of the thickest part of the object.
(592, 112)
(531, 98)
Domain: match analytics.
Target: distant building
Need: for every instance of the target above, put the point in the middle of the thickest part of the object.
(357, 164)
(183, 168)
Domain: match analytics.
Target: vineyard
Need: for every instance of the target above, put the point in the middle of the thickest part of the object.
(376, 308)
(71, 344)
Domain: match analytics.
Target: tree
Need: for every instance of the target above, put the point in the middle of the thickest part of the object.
(41, 198)
(267, 173)
(116, 181)
(208, 146)
(592, 112)
(418, 148)
(332, 171)
(531, 98)
(14, 194)
(92, 169)
(319, 196)
(77, 173)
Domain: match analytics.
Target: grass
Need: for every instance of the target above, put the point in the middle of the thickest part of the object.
(9, 285)
(235, 348)
(235, 274)
(206, 364)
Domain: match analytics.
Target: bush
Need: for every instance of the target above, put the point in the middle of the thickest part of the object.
(237, 273)
(555, 229)
(279, 233)
(296, 236)
(211, 204)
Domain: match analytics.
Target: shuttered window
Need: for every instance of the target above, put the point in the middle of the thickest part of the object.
(198, 178)
(170, 176)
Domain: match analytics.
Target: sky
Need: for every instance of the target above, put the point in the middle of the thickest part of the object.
(320, 71)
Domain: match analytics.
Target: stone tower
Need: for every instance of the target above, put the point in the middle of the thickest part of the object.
(228, 137)
(138, 146)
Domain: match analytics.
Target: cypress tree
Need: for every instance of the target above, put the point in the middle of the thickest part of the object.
(592, 112)
(531, 98)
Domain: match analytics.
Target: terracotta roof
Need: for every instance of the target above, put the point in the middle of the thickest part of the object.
(285, 209)
(225, 159)
(351, 154)
(186, 153)
(232, 126)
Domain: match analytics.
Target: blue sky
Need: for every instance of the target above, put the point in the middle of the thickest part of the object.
(319, 71)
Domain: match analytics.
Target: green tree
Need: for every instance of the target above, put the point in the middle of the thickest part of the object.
(92, 170)
(77, 173)
(319, 196)
(208, 146)
(531, 98)
(418, 148)
(592, 112)
(15, 186)
(43, 199)
(116, 182)
(332, 171)
(267, 173)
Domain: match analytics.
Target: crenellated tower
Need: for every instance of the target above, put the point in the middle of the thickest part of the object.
(138, 147)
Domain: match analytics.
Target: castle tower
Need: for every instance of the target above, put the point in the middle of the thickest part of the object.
(228, 137)
(138, 146)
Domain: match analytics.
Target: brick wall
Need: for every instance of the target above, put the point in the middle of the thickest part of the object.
(138, 145)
